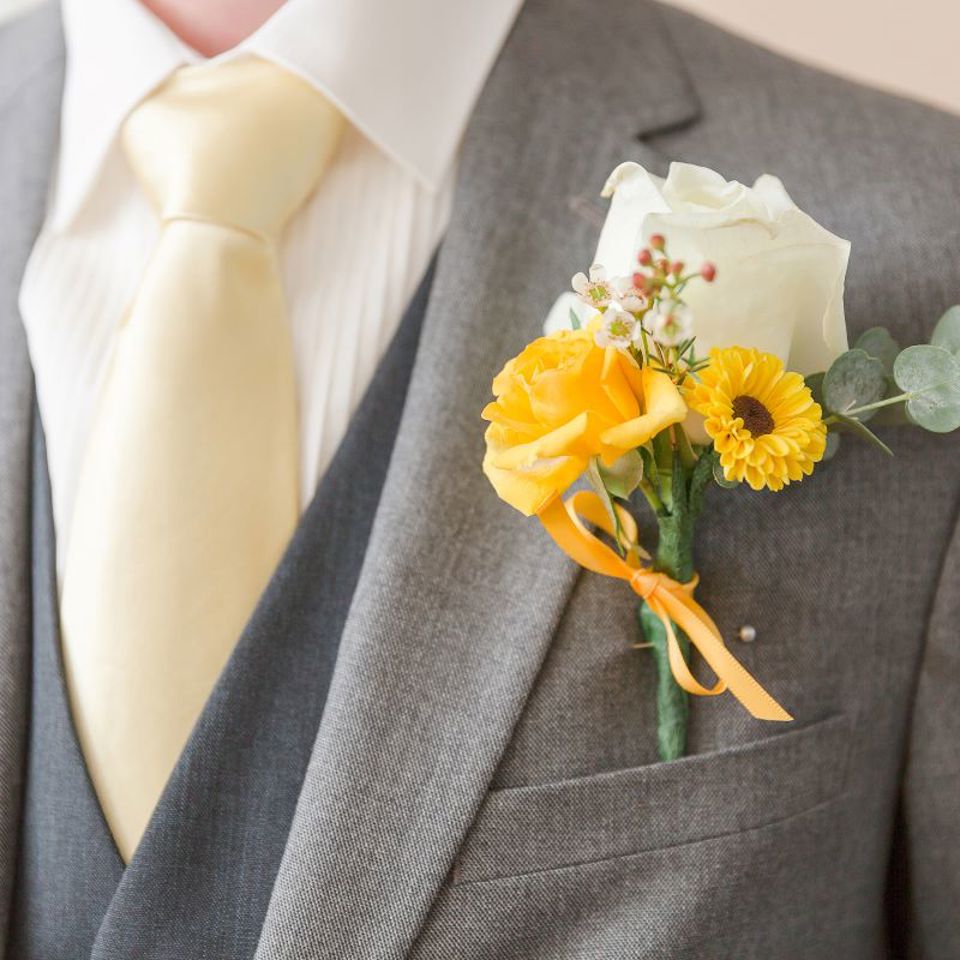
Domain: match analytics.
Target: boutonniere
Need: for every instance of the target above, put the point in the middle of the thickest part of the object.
(706, 346)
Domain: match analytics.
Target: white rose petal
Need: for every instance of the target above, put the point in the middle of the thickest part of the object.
(780, 275)
(559, 316)
(774, 195)
(635, 193)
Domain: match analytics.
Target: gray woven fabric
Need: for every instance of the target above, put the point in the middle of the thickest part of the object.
(31, 76)
(483, 687)
(68, 866)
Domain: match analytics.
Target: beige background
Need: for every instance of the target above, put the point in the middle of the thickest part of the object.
(908, 46)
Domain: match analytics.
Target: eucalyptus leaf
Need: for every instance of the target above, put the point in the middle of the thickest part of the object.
(894, 415)
(815, 382)
(833, 444)
(623, 476)
(853, 425)
(946, 333)
(721, 480)
(931, 376)
(855, 379)
(879, 344)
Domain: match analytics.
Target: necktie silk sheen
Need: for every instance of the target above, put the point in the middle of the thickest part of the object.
(189, 489)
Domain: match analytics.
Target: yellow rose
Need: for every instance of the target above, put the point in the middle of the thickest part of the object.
(562, 401)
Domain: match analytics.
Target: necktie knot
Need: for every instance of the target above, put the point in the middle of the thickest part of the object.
(240, 144)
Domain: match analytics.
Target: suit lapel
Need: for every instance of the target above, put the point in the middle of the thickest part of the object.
(459, 596)
(31, 80)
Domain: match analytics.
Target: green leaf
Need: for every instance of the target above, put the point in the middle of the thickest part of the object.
(833, 444)
(622, 477)
(722, 481)
(574, 319)
(649, 464)
(703, 473)
(931, 375)
(853, 425)
(893, 416)
(599, 488)
(877, 343)
(815, 382)
(946, 334)
(854, 380)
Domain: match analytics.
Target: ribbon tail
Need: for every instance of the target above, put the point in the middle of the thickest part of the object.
(691, 618)
(670, 601)
(560, 520)
(678, 665)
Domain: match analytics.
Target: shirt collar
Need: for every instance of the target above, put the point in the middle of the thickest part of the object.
(405, 74)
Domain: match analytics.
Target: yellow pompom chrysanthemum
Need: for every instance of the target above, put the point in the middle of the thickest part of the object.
(763, 421)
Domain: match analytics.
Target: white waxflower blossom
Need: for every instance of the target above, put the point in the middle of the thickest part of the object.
(628, 296)
(618, 329)
(594, 290)
(672, 322)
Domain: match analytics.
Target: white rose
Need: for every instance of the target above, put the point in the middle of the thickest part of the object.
(779, 285)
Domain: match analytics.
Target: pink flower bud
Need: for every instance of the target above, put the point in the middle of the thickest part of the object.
(709, 272)
(644, 257)
(658, 241)
(639, 281)
(676, 268)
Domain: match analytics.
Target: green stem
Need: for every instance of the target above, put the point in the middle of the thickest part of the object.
(672, 703)
(653, 498)
(663, 456)
(674, 557)
(687, 456)
(886, 402)
(645, 342)
(663, 451)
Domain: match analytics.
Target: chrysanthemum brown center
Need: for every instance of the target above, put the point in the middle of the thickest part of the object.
(755, 416)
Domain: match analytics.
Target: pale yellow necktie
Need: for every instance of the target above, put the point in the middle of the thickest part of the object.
(189, 493)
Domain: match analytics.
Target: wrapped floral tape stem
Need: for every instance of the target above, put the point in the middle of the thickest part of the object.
(672, 700)
(674, 557)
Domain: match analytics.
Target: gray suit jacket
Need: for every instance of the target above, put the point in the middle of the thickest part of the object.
(483, 783)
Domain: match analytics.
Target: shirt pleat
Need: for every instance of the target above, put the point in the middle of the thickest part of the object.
(351, 260)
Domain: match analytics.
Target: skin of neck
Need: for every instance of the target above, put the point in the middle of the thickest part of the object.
(213, 26)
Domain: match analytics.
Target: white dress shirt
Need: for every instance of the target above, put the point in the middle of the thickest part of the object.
(406, 75)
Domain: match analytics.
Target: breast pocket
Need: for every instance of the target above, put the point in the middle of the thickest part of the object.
(605, 816)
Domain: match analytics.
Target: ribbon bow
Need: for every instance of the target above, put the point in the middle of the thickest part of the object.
(671, 601)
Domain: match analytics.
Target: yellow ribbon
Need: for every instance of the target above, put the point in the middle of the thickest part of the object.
(672, 602)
